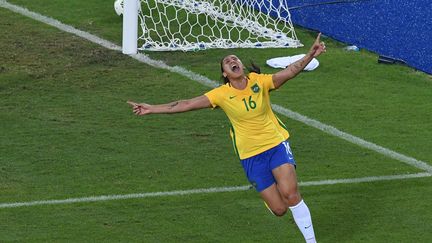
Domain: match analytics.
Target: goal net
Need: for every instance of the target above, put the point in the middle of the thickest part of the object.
(186, 25)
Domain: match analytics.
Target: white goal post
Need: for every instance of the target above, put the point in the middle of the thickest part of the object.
(171, 25)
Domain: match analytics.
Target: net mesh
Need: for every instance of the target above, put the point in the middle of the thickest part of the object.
(197, 24)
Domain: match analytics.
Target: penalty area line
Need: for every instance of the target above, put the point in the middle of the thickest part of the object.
(204, 191)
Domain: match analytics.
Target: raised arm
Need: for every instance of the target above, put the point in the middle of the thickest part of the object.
(295, 68)
(199, 102)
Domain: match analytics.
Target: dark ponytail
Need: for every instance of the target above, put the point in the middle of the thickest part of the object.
(254, 68)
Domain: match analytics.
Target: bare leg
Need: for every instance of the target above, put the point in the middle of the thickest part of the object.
(286, 179)
(273, 200)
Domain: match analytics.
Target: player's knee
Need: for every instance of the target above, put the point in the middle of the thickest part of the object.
(292, 197)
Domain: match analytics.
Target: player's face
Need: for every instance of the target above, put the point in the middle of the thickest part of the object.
(232, 67)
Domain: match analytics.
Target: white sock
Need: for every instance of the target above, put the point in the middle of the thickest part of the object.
(303, 219)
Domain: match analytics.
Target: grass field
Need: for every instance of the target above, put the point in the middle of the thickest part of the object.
(67, 132)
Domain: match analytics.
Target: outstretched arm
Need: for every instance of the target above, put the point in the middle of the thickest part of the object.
(295, 68)
(199, 102)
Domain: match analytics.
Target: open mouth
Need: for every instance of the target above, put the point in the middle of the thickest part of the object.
(235, 68)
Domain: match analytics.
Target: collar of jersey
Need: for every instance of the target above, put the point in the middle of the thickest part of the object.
(246, 90)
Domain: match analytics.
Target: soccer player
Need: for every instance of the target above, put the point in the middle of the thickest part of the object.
(259, 137)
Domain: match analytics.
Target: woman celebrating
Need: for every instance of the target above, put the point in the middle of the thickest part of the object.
(259, 137)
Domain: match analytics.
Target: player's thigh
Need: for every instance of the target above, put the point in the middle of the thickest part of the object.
(286, 179)
(282, 165)
(285, 174)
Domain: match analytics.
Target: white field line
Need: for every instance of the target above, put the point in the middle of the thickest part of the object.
(365, 179)
(210, 83)
(203, 191)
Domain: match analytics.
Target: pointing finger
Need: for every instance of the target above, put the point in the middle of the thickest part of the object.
(132, 103)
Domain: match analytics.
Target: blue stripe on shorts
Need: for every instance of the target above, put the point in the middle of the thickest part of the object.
(259, 168)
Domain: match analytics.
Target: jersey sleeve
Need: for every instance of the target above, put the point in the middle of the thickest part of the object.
(213, 96)
(266, 80)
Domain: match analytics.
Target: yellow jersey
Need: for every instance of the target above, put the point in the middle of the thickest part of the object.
(254, 126)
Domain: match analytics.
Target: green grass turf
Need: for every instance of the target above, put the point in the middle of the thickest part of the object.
(344, 213)
(67, 132)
